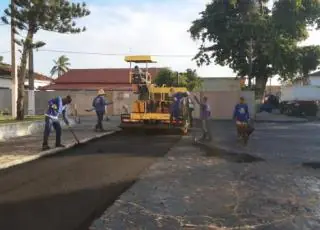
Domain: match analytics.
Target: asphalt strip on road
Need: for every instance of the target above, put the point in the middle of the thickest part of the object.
(69, 189)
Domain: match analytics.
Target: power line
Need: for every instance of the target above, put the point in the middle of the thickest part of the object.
(107, 54)
(111, 54)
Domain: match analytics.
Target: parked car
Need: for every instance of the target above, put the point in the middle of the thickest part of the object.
(299, 108)
(299, 100)
(269, 103)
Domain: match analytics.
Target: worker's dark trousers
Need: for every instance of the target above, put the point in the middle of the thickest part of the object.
(191, 117)
(206, 132)
(100, 115)
(47, 129)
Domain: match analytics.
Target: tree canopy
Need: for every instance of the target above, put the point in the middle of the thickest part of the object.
(188, 79)
(61, 66)
(256, 41)
(30, 16)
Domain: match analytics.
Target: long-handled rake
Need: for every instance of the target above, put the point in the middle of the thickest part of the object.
(70, 129)
(74, 135)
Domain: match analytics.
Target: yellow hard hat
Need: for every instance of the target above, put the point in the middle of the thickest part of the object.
(101, 92)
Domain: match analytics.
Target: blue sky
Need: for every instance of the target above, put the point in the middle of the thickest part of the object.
(127, 26)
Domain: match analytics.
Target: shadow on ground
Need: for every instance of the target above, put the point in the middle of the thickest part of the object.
(20, 214)
(313, 165)
(227, 155)
(69, 189)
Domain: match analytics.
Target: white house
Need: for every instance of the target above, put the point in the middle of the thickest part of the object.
(5, 79)
(314, 78)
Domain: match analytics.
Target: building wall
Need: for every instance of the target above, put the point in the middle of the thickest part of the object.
(220, 84)
(222, 103)
(38, 83)
(5, 98)
(314, 80)
(121, 99)
(5, 83)
(81, 100)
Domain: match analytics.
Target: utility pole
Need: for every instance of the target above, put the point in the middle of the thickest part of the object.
(178, 78)
(14, 77)
(250, 63)
(31, 96)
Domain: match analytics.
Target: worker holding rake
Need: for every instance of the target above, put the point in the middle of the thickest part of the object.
(56, 107)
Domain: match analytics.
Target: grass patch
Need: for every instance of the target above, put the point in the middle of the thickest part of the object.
(8, 119)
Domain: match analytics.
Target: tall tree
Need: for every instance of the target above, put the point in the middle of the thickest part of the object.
(61, 66)
(165, 77)
(188, 79)
(30, 16)
(253, 40)
(1, 59)
(191, 79)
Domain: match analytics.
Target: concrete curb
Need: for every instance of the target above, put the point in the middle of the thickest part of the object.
(52, 151)
(24, 128)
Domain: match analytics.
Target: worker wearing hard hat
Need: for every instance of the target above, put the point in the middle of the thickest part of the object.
(99, 103)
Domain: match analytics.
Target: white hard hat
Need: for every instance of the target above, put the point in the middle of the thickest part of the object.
(101, 92)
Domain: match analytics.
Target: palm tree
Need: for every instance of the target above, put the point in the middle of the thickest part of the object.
(61, 66)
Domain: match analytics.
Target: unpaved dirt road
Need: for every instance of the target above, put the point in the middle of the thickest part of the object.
(68, 190)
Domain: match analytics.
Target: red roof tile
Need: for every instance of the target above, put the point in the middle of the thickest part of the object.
(40, 77)
(88, 86)
(107, 76)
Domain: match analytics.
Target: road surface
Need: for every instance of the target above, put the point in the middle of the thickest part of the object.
(67, 191)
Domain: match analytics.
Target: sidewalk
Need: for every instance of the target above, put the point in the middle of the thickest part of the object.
(22, 149)
(192, 189)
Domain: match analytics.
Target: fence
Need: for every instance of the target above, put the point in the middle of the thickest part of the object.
(221, 102)
(5, 100)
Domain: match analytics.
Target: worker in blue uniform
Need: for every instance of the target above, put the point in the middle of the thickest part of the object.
(99, 103)
(241, 116)
(56, 107)
(177, 97)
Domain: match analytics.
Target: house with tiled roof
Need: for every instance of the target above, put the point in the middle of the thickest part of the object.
(111, 79)
(40, 80)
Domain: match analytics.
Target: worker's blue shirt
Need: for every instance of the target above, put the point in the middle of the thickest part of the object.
(99, 103)
(55, 107)
(241, 112)
(205, 111)
(177, 99)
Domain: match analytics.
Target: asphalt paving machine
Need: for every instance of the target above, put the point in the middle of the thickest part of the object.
(152, 109)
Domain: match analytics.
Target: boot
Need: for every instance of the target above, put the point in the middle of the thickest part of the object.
(45, 147)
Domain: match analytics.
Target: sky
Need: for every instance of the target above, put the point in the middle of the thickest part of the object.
(127, 27)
